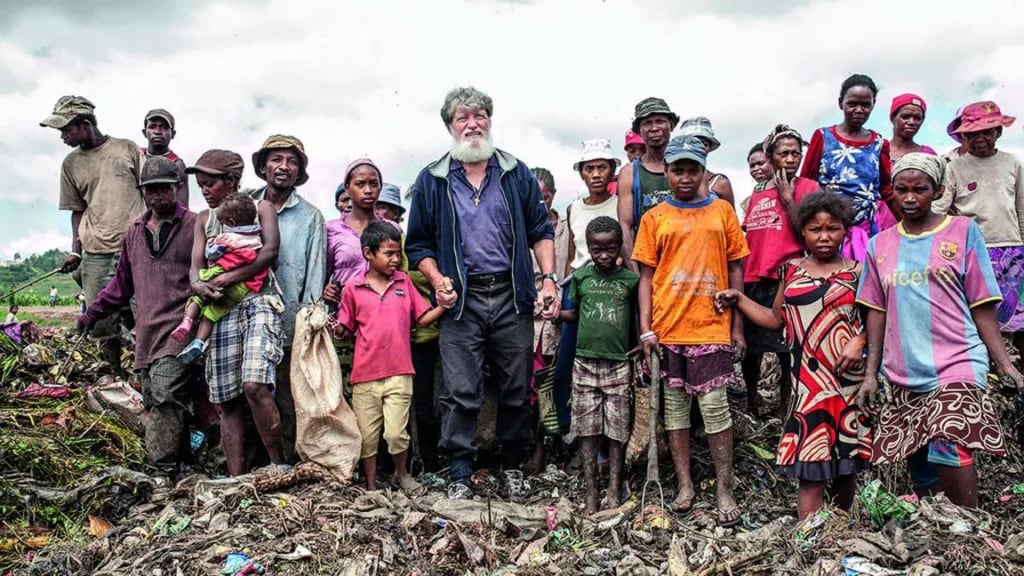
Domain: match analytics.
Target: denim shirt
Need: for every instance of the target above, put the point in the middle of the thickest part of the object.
(301, 269)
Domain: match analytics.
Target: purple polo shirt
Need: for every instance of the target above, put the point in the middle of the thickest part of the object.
(382, 324)
(485, 228)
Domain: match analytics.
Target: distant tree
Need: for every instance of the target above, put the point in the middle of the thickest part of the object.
(17, 256)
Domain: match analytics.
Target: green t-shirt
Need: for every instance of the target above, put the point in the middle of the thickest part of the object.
(606, 303)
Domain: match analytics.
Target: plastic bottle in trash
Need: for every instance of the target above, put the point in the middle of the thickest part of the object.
(197, 440)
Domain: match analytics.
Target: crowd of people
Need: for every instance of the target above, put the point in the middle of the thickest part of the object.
(879, 273)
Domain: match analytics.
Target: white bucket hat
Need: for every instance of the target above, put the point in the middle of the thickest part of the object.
(598, 149)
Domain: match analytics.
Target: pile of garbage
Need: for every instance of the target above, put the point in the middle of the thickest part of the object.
(75, 499)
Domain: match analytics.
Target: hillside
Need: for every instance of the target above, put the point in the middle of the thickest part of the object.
(31, 268)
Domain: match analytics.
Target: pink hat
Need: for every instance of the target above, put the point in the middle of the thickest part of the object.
(904, 100)
(633, 138)
(982, 116)
(955, 123)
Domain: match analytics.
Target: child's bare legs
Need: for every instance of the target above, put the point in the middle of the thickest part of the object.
(588, 451)
(180, 332)
(810, 498)
(401, 459)
(370, 471)
(679, 444)
(842, 490)
(959, 484)
(616, 452)
(721, 453)
(204, 330)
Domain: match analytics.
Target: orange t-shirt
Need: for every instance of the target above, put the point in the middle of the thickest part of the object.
(689, 247)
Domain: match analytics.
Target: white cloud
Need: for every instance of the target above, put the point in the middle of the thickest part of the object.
(34, 242)
(367, 78)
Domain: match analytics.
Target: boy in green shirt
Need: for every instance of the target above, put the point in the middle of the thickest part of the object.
(604, 298)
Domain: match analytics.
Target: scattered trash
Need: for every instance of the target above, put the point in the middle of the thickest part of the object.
(857, 566)
(60, 463)
(239, 564)
(881, 505)
(300, 553)
(807, 532)
(117, 398)
(37, 390)
(98, 527)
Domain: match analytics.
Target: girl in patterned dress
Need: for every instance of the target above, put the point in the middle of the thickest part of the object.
(853, 162)
(824, 441)
(932, 328)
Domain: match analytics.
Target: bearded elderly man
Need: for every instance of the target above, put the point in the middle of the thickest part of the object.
(476, 214)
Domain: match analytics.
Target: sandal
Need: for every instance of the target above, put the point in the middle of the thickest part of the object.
(730, 518)
(409, 486)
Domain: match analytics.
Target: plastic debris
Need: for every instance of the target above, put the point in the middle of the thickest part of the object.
(858, 566)
(881, 505)
(37, 390)
(807, 532)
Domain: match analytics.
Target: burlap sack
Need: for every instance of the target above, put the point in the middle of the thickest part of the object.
(326, 431)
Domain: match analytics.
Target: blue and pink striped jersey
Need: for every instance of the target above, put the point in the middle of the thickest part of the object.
(927, 284)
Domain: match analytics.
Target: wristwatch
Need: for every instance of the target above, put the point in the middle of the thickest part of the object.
(551, 276)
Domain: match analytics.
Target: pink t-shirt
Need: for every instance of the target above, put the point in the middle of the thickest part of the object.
(770, 233)
(382, 325)
(927, 285)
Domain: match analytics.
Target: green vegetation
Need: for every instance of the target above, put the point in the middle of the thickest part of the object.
(31, 268)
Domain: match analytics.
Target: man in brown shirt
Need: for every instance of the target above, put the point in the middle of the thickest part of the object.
(99, 186)
(153, 267)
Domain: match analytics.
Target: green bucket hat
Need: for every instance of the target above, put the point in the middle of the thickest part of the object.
(650, 107)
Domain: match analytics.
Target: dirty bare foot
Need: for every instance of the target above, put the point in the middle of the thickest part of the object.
(684, 499)
(613, 497)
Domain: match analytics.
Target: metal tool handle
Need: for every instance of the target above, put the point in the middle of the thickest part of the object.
(652, 448)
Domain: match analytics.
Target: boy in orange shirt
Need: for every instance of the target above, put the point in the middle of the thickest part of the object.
(689, 247)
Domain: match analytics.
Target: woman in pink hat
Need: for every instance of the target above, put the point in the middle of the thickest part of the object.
(987, 185)
(907, 115)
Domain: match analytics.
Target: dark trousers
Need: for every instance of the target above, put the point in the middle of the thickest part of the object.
(488, 331)
(167, 395)
(425, 356)
(563, 365)
(286, 407)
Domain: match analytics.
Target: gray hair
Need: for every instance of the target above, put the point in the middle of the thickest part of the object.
(465, 97)
(544, 175)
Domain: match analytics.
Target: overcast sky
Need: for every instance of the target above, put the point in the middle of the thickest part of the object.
(368, 78)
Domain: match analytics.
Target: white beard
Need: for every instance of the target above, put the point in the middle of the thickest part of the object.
(472, 151)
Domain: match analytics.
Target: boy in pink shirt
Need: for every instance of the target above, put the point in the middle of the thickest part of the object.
(379, 307)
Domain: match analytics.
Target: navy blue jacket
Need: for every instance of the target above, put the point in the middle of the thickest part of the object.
(434, 231)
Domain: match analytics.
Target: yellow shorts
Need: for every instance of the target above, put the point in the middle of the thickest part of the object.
(383, 404)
